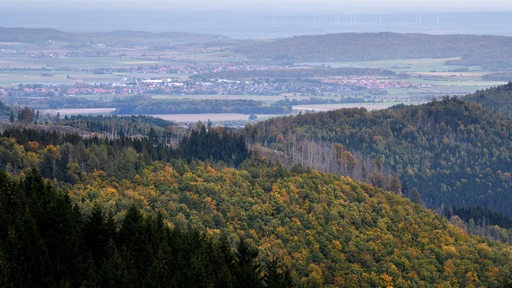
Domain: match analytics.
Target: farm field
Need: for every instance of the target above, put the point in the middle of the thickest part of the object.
(403, 65)
(79, 111)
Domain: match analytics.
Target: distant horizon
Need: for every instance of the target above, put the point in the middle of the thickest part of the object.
(257, 25)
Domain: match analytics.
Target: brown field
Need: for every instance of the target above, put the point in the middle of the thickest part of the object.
(79, 111)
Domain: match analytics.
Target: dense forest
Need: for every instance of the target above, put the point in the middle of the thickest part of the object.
(46, 242)
(123, 126)
(65, 156)
(326, 230)
(490, 52)
(446, 153)
(146, 105)
(495, 99)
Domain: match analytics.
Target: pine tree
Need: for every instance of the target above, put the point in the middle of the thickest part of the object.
(276, 276)
(247, 268)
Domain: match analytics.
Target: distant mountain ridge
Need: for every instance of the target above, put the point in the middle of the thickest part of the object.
(489, 51)
(42, 35)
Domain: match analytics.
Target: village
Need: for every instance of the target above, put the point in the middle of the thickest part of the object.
(177, 80)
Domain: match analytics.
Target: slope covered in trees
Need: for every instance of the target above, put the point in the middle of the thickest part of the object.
(495, 99)
(329, 230)
(46, 242)
(454, 153)
(490, 52)
(66, 156)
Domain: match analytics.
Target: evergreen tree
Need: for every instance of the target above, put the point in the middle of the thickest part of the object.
(276, 276)
(247, 268)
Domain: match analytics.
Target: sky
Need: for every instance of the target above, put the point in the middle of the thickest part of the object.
(292, 5)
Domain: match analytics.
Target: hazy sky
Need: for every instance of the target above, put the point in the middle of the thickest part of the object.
(262, 18)
(293, 5)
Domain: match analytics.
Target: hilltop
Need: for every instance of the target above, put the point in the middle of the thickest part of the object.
(490, 52)
(453, 153)
(497, 99)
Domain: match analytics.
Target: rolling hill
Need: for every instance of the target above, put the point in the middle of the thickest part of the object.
(329, 231)
(455, 153)
(119, 39)
(490, 52)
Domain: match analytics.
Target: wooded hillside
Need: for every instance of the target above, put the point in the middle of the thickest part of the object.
(330, 231)
(46, 241)
(490, 52)
(497, 99)
(454, 153)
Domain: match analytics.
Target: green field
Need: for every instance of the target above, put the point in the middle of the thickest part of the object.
(209, 56)
(26, 61)
(443, 79)
(410, 65)
(8, 79)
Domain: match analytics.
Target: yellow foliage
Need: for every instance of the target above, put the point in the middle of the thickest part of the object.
(337, 245)
(213, 233)
(315, 276)
(110, 192)
(33, 145)
(484, 250)
(280, 195)
(210, 170)
(492, 272)
(449, 267)
(33, 159)
(321, 226)
(450, 250)
(211, 203)
(386, 279)
(472, 276)
(52, 151)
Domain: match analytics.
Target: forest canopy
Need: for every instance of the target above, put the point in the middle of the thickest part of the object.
(325, 230)
(453, 153)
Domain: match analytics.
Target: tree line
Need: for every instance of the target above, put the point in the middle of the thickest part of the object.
(66, 156)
